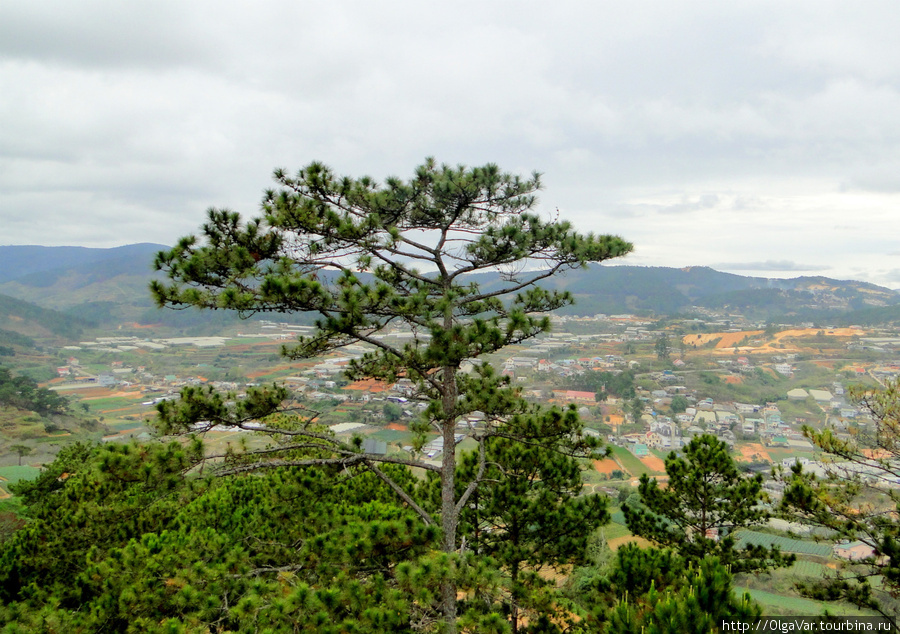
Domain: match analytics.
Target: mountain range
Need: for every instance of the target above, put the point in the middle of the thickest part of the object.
(104, 287)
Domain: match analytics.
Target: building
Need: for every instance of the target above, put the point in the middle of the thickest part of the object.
(853, 551)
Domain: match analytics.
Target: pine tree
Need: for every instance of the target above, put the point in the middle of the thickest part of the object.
(529, 511)
(705, 501)
(649, 590)
(852, 495)
(366, 257)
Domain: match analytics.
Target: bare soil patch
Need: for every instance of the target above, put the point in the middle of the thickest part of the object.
(268, 371)
(752, 452)
(607, 466)
(729, 339)
(654, 462)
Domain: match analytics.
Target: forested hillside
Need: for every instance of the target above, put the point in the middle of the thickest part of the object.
(20, 320)
(108, 286)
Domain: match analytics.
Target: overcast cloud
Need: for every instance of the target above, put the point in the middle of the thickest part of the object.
(755, 137)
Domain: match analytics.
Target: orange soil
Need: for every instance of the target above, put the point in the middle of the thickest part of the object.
(368, 385)
(256, 375)
(754, 451)
(103, 392)
(397, 427)
(733, 380)
(98, 392)
(607, 466)
(654, 462)
(729, 339)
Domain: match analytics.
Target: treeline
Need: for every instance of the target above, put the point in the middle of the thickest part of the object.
(135, 538)
(11, 338)
(603, 384)
(24, 393)
(57, 323)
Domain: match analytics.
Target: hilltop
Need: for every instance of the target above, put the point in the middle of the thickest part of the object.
(107, 286)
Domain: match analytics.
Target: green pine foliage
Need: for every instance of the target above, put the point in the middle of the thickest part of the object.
(856, 500)
(705, 501)
(130, 538)
(24, 393)
(365, 257)
(529, 514)
(650, 590)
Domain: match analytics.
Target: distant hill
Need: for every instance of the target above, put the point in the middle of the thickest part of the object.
(97, 286)
(109, 286)
(21, 320)
(17, 262)
(666, 291)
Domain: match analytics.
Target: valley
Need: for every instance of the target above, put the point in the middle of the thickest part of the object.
(643, 382)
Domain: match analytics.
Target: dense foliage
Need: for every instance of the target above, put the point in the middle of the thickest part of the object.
(705, 500)
(854, 497)
(125, 538)
(645, 591)
(55, 322)
(24, 393)
(605, 384)
(365, 257)
(136, 538)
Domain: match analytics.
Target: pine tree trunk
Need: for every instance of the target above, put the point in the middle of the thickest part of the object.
(514, 604)
(449, 521)
(449, 516)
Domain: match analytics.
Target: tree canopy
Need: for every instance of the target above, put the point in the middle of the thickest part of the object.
(24, 392)
(853, 497)
(704, 502)
(454, 254)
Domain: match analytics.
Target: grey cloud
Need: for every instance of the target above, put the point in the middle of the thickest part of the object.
(120, 114)
(769, 265)
(701, 203)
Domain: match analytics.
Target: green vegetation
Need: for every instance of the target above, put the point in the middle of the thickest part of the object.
(781, 605)
(24, 393)
(857, 504)
(37, 319)
(745, 538)
(630, 462)
(705, 500)
(522, 521)
(376, 238)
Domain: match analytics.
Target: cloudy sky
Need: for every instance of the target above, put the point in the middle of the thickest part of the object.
(760, 138)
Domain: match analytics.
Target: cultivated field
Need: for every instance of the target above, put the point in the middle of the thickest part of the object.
(728, 340)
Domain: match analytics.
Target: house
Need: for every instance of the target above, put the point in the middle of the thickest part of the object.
(784, 369)
(640, 450)
(853, 551)
(575, 396)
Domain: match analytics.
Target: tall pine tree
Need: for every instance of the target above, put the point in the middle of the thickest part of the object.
(366, 257)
